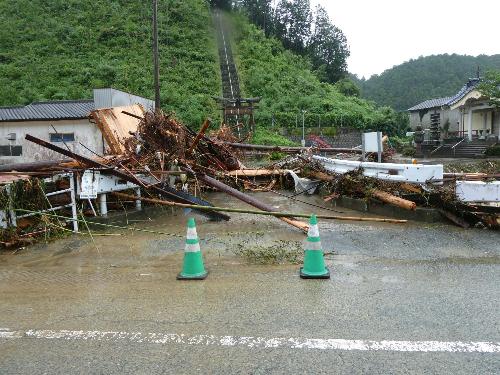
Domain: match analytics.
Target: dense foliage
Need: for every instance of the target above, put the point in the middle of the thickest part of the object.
(62, 49)
(412, 82)
(287, 85)
(490, 87)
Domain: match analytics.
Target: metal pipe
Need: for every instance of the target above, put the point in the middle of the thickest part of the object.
(289, 149)
(265, 213)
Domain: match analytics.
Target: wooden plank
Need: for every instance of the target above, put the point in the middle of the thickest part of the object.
(116, 124)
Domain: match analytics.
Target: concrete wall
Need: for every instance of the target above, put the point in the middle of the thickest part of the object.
(445, 114)
(456, 119)
(496, 123)
(84, 131)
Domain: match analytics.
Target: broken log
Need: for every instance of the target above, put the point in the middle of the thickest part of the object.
(203, 129)
(35, 166)
(454, 218)
(287, 149)
(322, 176)
(392, 199)
(255, 172)
(254, 212)
(248, 199)
(125, 176)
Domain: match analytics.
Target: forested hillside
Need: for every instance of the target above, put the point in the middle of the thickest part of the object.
(62, 49)
(288, 85)
(408, 84)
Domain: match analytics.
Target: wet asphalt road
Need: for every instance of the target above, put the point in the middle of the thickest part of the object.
(411, 282)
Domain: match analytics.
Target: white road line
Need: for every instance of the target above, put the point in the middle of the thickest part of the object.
(258, 342)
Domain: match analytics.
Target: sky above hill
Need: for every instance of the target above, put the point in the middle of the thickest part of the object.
(385, 33)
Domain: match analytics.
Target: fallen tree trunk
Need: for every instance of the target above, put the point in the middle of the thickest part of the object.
(255, 172)
(392, 199)
(248, 199)
(322, 176)
(288, 149)
(281, 215)
(34, 166)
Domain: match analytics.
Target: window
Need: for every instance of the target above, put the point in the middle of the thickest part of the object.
(11, 150)
(62, 137)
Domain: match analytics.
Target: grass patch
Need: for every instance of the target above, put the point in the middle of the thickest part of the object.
(282, 252)
(263, 136)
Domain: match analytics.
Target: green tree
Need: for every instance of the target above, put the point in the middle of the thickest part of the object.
(260, 12)
(292, 24)
(328, 48)
(222, 4)
(347, 87)
(490, 87)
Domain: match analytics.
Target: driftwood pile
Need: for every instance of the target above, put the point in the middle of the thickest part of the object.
(172, 164)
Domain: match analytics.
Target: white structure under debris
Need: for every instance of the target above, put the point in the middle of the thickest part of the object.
(478, 191)
(414, 173)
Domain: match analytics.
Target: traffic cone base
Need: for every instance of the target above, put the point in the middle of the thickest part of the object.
(324, 275)
(192, 266)
(314, 263)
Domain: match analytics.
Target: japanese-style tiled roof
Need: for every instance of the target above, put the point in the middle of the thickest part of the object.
(52, 110)
(447, 101)
(431, 103)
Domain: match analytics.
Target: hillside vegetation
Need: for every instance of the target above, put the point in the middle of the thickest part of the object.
(62, 49)
(287, 85)
(412, 82)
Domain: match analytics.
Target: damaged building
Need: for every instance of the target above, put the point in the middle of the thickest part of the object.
(64, 122)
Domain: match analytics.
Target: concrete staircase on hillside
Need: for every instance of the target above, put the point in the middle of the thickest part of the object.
(229, 74)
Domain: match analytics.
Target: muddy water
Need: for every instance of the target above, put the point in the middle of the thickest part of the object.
(110, 247)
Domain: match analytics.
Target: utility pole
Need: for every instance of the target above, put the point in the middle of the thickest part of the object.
(156, 72)
(303, 128)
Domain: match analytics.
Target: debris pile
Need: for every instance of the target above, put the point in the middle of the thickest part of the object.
(173, 165)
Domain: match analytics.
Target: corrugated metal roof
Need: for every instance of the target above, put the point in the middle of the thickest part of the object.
(51, 110)
(439, 102)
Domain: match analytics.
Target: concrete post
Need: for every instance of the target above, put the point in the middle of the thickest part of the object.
(469, 124)
(485, 125)
(103, 205)
(138, 203)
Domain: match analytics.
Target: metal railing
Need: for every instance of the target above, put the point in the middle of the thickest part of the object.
(454, 147)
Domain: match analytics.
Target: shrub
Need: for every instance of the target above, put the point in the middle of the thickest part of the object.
(493, 150)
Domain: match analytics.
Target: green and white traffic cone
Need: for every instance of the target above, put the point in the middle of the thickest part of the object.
(192, 268)
(314, 263)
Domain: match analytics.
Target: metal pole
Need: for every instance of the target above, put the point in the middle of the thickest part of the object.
(379, 146)
(303, 129)
(155, 55)
(363, 154)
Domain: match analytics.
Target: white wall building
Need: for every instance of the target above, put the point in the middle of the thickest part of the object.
(468, 113)
(64, 123)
